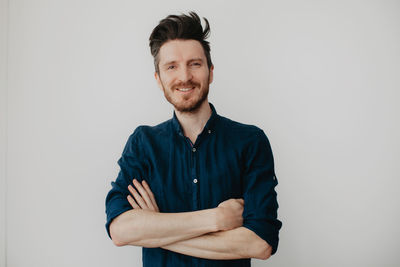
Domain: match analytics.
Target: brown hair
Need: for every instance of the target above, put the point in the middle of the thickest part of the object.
(185, 27)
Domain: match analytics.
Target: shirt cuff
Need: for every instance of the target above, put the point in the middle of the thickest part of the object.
(265, 231)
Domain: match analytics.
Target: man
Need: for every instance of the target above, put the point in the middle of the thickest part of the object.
(198, 189)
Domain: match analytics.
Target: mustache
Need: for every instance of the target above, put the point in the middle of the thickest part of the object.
(187, 84)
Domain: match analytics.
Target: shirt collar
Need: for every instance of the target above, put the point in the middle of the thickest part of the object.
(208, 127)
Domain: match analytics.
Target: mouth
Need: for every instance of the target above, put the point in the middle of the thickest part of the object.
(186, 89)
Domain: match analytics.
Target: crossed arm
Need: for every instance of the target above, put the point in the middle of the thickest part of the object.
(212, 233)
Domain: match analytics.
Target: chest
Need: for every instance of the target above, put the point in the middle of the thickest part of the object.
(185, 177)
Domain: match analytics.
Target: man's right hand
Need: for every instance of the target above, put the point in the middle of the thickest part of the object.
(230, 214)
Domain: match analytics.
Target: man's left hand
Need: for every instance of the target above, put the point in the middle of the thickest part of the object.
(144, 199)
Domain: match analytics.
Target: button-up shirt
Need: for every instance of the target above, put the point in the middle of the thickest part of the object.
(227, 160)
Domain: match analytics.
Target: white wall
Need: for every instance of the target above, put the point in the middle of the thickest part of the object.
(320, 77)
(3, 122)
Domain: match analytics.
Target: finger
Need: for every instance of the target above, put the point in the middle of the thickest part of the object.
(144, 194)
(150, 193)
(132, 202)
(138, 198)
(152, 198)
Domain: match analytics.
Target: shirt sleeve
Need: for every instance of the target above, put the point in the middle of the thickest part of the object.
(130, 167)
(260, 202)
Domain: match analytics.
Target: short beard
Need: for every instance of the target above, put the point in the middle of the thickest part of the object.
(194, 107)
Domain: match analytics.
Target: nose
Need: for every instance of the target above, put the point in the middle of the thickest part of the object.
(185, 75)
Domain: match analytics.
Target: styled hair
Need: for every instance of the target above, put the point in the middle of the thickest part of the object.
(185, 27)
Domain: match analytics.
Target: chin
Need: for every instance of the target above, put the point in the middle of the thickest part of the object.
(188, 107)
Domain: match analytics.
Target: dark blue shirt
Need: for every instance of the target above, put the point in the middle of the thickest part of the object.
(227, 160)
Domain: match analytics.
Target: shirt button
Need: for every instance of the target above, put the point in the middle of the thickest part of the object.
(194, 149)
(195, 180)
(209, 131)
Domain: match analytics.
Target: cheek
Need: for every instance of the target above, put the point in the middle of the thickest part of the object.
(204, 78)
(203, 74)
(168, 80)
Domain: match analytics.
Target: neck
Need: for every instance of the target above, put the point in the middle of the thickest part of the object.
(193, 123)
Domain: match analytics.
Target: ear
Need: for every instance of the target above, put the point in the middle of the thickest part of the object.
(158, 79)
(211, 76)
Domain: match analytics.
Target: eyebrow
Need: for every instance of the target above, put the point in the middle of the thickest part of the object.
(189, 61)
(196, 59)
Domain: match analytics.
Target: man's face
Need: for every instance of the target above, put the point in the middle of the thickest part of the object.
(183, 74)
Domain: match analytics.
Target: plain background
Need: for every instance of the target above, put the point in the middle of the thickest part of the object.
(322, 79)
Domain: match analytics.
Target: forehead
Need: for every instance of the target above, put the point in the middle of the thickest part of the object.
(180, 50)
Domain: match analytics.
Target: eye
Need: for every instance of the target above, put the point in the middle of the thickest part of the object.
(171, 67)
(196, 64)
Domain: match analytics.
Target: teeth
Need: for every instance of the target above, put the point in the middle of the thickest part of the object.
(184, 89)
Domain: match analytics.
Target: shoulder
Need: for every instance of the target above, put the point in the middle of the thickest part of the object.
(245, 137)
(241, 130)
(146, 131)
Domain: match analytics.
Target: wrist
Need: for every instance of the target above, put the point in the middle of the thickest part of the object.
(216, 219)
(207, 220)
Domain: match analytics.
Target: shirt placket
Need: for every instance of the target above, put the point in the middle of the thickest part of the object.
(193, 175)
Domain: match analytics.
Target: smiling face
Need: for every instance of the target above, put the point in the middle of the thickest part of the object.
(184, 75)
